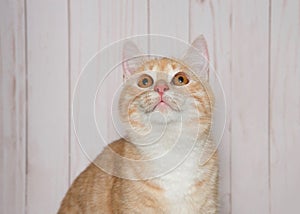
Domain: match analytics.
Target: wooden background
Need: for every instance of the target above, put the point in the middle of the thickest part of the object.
(255, 45)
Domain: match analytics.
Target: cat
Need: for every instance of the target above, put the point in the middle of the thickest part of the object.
(179, 92)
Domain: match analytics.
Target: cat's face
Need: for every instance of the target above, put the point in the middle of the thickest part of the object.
(166, 86)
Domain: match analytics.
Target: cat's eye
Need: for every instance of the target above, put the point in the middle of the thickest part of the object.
(180, 79)
(145, 81)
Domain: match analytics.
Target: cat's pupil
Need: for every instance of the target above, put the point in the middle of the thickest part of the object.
(180, 79)
(145, 81)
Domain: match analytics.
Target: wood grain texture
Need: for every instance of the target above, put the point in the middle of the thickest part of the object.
(249, 107)
(212, 19)
(254, 45)
(100, 23)
(83, 45)
(169, 19)
(284, 106)
(12, 107)
(48, 107)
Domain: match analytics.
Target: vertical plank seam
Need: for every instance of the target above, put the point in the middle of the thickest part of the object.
(189, 20)
(148, 25)
(69, 92)
(26, 105)
(230, 121)
(269, 105)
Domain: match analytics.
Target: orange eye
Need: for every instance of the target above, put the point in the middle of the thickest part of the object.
(145, 81)
(180, 79)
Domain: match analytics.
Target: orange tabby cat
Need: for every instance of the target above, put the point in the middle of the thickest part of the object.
(185, 103)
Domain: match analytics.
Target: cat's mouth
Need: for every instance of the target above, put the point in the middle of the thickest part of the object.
(163, 106)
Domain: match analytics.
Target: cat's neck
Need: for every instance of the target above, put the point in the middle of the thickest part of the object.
(177, 138)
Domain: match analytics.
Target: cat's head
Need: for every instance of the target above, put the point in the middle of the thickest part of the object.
(176, 88)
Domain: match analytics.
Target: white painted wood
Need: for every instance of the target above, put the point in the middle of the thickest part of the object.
(48, 104)
(84, 24)
(284, 106)
(94, 25)
(238, 50)
(249, 107)
(12, 107)
(168, 18)
(212, 19)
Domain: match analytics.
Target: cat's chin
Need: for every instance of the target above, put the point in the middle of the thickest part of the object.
(164, 116)
(162, 107)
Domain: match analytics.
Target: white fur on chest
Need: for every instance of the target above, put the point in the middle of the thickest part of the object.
(177, 183)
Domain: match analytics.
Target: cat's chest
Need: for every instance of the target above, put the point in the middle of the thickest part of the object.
(179, 182)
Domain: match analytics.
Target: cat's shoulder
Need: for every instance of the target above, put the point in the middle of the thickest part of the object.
(123, 148)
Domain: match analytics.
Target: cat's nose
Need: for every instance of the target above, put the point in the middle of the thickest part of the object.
(161, 86)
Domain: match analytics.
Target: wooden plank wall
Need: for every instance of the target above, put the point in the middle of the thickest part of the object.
(254, 46)
(48, 104)
(249, 106)
(12, 107)
(284, 106)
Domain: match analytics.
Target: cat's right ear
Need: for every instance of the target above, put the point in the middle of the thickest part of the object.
(131, 59)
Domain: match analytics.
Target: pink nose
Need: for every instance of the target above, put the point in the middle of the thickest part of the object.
(161, 87)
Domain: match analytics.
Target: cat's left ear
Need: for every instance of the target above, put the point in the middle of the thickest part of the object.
(197, 57)
(131, 59)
